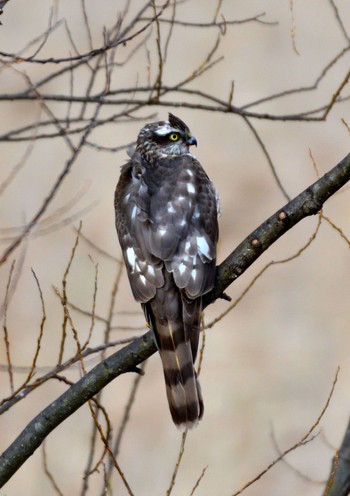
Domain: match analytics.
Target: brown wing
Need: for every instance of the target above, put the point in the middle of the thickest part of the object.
(166, 218)
(167, 213)
(131, 206)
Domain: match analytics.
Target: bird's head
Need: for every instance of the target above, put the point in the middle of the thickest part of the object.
(170, 137)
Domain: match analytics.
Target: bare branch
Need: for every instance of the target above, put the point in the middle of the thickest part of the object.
(339, 479)
(309, 202)
(304, 440)
(51, 194)
(6, 335)
(88, 55)
(177, 464)
(217, 24)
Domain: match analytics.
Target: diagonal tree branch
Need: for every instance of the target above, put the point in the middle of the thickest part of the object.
(339, 480)
(309, 202)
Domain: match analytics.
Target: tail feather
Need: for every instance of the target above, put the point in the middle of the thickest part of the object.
(176, 330)
(182, 387)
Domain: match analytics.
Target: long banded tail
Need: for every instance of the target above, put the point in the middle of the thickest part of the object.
(182, 385)
(177, 342)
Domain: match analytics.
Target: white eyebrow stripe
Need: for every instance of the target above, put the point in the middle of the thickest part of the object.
(166, 129)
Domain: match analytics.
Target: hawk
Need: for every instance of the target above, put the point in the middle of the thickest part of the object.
(166, 218)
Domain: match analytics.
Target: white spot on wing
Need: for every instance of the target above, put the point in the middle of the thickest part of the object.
(196, 214)
(162, 231)
(171, 209)
(143, 279)
(133, 212)
(182, 268)
(203, 246)
(194, 274)
(189, 172)
(131, 256)
(191, 189)
(150, 270)
(218, 204)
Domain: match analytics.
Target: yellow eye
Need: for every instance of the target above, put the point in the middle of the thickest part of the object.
(174, 137)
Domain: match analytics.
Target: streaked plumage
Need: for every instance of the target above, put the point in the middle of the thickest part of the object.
(166, 219)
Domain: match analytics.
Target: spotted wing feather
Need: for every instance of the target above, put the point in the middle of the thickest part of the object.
(131, 206)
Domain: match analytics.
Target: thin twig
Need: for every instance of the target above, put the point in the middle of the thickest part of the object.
(195, 487)
(52, 193)
(308, 437)
(123, 424)
(177, 464)
(6, 335)
(48, 473)
(87, 55)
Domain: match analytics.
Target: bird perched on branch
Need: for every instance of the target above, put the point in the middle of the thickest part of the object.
(166, 217)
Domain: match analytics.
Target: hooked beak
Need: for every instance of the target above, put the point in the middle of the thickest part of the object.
(192, 141)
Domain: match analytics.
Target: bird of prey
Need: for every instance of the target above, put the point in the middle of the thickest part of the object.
(166, 218)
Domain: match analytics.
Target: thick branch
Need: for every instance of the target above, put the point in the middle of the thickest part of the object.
(309, 202)
(339, 479)
(125, 360)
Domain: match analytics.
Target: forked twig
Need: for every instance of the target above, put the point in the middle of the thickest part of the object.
(302, 442)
